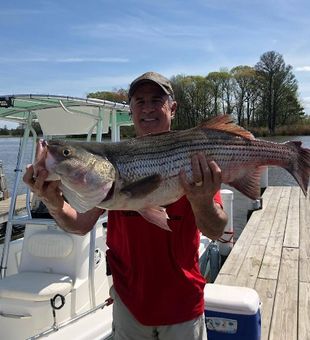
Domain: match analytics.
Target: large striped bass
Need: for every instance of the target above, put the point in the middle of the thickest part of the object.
(142, 174)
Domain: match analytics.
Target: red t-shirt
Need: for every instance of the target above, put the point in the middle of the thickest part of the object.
(156, 272)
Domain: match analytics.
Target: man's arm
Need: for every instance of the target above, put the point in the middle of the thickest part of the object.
(210, 217)
(66, 217)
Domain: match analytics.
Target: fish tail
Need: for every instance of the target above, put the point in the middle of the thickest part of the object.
(300, 170)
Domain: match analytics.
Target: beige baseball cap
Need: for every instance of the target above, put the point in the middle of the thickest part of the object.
(152, 77)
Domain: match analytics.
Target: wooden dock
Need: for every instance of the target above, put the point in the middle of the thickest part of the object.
(272, 255)
(5, 205)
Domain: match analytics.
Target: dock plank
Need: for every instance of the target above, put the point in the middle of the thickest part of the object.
(304, 254)
(250, 267)
(5, 205)
(235, 259)
(291, 238)
(284, 319)
(271, 261)
(304, 311)
(226, 279)
(273, 256)
(267, 219)
(266, 290)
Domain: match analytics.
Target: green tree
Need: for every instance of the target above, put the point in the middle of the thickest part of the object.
(215, 80)
(193, 98)
(37, 128)
(227, 90)
(182, 118)
(4, 131)
(117, 95)
(245, 93)
(19, 131)
(277, 84)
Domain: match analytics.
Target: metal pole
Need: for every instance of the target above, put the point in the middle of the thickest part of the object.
(70, 321)
(28, 192)
(113, 126)
(92, 241)
(4, 193)
(9, 226)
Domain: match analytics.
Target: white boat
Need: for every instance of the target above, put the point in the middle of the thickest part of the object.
(54, 284)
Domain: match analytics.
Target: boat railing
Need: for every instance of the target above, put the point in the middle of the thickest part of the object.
(4, 193)
(102, 117)
(55, 327)
(18, 176)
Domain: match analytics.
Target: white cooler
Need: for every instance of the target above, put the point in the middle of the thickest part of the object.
(232, 313)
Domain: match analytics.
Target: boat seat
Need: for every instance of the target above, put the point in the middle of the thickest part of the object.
(51, 250)
(50, 244)
(35, 286)
(41, 273)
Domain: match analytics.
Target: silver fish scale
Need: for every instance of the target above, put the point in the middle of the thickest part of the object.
(166, 154)
(107, 174)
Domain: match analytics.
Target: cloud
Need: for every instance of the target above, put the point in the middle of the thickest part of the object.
(138, 29)
(306, 102)
(19, 11)
(92, 60)
(76, 87)
(63, 60)
(302, 69)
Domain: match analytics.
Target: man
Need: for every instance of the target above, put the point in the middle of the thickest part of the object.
(158, 289)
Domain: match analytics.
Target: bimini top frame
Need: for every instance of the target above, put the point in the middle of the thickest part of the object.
(60, 115)
(57, 116)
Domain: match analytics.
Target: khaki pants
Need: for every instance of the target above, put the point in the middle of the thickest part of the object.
(126, 327)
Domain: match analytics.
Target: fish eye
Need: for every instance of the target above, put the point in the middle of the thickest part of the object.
(66, 152)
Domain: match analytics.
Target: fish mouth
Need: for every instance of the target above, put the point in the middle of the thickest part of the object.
(44, 143)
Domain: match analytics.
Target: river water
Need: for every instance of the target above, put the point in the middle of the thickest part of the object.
(276, 176)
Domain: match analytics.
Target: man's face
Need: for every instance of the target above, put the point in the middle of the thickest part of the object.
(151, 109)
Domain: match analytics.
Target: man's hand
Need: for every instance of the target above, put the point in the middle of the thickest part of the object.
(206, 182)
(207, 179)
(48, 192)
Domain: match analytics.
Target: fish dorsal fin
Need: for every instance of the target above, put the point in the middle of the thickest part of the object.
(226, 123)
(142, 186)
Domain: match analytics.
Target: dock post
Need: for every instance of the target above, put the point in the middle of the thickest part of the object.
(258, 204)
(226, 241)
(264, 181)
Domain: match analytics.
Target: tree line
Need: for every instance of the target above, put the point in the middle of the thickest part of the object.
(265, 95)
(261, 96)
(5, 131)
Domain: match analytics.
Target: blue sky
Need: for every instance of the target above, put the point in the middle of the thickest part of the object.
(73, 47)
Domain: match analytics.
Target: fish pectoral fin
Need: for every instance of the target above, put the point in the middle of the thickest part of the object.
(249, 183)
(157, 216)
(142, 187)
